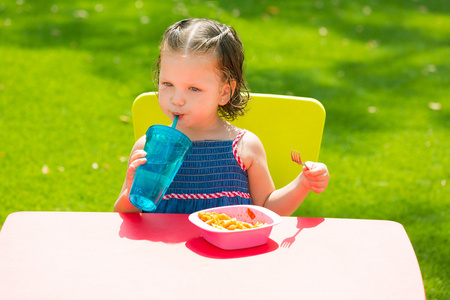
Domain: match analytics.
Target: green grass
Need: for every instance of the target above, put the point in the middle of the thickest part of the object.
(70, 71)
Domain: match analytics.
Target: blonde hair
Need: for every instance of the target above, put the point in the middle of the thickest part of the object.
(202, 36)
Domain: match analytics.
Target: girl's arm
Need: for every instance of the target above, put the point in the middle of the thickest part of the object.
(137, 158)
(286, 200)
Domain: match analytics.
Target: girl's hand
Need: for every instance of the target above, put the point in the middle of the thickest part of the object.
(137, 158)
(315, 176)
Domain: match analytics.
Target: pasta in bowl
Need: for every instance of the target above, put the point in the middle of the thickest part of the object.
(236, 226)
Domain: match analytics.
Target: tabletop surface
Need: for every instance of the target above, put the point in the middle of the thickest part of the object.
(76, 255)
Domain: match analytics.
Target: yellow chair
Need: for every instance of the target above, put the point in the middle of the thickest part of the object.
(281, 122)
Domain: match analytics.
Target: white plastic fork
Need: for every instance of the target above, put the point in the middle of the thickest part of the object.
(295, 156)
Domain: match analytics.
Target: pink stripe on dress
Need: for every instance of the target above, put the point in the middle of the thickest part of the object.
(207, 196)
(236, 155)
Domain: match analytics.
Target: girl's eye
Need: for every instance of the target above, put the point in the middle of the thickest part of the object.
(194, 89)
(166, 84)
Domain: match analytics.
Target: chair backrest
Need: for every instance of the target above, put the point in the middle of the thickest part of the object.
(281, 122)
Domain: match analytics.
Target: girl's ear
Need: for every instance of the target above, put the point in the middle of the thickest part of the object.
(227, 92)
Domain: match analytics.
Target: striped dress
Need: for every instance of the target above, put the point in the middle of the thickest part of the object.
(211, 175)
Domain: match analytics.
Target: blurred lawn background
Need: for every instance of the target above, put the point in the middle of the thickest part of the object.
(71, 69)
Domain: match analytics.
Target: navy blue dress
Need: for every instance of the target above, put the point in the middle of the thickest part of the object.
(211, 175)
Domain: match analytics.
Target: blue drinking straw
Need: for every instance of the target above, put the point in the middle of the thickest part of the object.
(175, 121)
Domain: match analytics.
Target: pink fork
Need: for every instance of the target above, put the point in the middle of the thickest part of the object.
(295, 156)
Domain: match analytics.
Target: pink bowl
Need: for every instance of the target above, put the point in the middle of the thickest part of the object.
(238, 239)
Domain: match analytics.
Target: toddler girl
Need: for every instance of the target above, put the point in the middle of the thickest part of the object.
(200, 78)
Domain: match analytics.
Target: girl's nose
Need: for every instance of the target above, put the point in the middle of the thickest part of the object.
(178, 99)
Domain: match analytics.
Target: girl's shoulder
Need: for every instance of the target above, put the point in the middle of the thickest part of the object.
(249, 140)
(250, 148)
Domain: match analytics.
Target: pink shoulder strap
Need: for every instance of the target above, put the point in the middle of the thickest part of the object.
(236, 155)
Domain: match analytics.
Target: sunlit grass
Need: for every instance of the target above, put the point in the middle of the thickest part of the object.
(70, 71)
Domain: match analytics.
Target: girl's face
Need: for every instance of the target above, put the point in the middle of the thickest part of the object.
(191, 86)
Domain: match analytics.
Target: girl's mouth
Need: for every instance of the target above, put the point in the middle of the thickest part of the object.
(180, 116)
